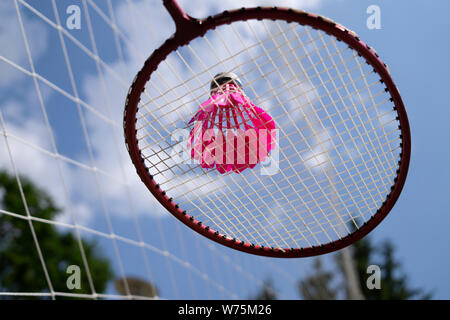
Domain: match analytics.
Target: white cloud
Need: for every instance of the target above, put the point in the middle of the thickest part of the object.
(197, 8)
(12, 45)
(27, 132)
(82, 211)
(39, 167)
(110, 156)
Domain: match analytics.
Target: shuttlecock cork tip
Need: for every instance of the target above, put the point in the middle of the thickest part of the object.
(223, 78)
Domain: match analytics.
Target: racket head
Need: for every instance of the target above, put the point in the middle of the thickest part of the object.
(189, 29)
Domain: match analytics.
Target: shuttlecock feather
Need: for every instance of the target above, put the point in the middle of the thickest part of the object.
(230, 133)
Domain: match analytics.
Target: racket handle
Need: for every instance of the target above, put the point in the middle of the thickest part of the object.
(183, 22)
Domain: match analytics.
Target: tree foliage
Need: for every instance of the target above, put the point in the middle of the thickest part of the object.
(21, 269)
(267, 291)
(394, 282)
(135, 286)
(318, 286)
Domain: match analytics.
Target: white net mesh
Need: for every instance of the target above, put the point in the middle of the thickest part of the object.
(61, 105)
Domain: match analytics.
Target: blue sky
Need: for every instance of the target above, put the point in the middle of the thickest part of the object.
(412, 41)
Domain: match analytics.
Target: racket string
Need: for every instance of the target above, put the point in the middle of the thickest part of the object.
(339, 131)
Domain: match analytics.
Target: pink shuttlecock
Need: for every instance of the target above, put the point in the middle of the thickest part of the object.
(230, 133)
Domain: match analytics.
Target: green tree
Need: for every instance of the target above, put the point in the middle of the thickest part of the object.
(394, 282)
(319, 285)
(20, 267)
(267, 292)
(135, 286)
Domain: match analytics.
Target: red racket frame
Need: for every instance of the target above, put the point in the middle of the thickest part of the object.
(187, 29)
